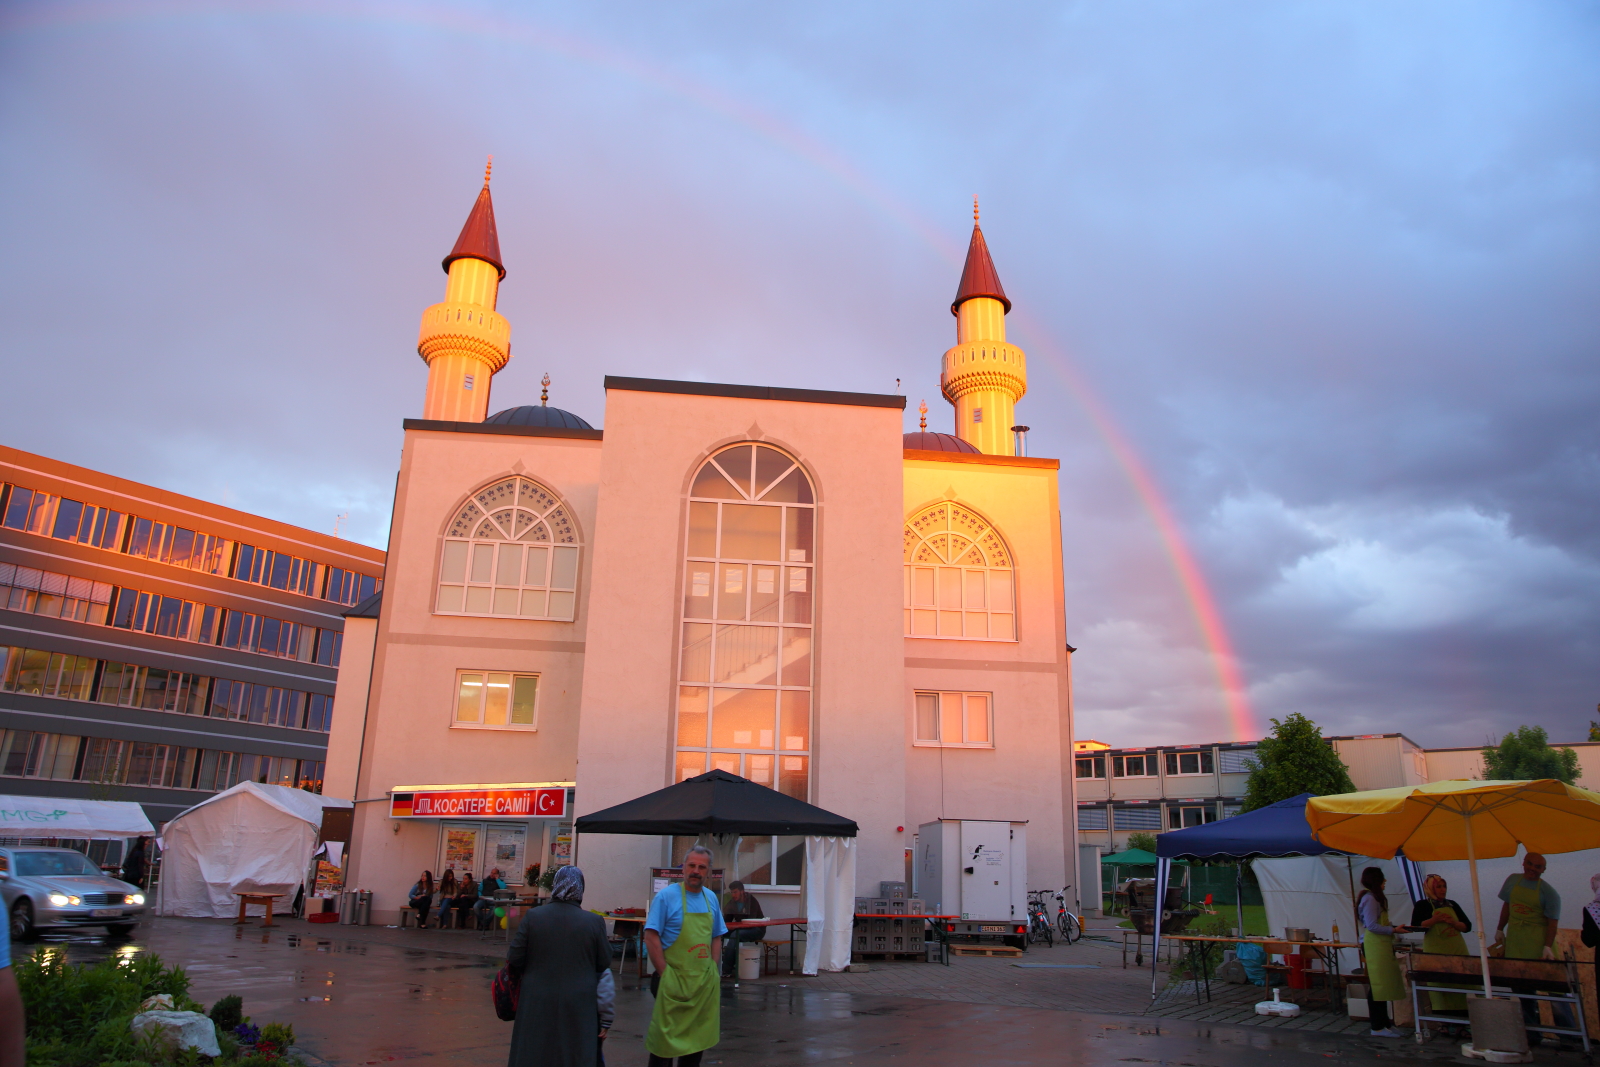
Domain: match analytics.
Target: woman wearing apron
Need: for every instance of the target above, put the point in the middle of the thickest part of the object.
(1377, 944)
(1444, 922)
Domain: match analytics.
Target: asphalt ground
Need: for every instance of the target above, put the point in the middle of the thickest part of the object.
(372, 995)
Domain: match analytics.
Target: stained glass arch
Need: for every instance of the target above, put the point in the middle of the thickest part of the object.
(960, 582)
(511, 550)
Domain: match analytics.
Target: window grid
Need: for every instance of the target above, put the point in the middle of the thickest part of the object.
(1090, 766)
(1133, 766)
(954, 720)
(496, 700)
(511, 551)
(102, 761)
(959, 581)
(1186, 763)
(745, 663)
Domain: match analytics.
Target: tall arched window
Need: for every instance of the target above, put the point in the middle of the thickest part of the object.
(959, 581)
(744, 698)
(512, 550)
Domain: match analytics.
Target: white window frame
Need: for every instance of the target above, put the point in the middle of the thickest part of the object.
(945, 715)
(1119, 765)
(960, 578)
(1176, 759)
(1179, 809)
(474, 578)
(1096, 763)
(485, 680)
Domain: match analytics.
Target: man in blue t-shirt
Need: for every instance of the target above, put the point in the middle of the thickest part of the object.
(685, 1020)
(11, 1018)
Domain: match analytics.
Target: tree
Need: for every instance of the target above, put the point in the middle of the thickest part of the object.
(1525, 754)
(1143, 841)
(1294, 760)
(1594, 730)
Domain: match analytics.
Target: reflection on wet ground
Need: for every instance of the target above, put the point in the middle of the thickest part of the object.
(359, 996)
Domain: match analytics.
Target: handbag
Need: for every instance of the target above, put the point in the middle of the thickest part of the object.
(506, 990)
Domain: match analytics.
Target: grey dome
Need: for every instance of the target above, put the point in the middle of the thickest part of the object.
(538, 415)
(928, 441)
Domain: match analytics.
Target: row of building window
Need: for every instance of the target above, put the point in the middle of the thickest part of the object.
(1178, 817)
(62, 596)
(1178, 764)
(103, 761)
(67, 677)
(47, 515)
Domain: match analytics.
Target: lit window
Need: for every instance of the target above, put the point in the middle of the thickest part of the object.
(1091, 766)
(496, 700)
(512, 551)
(958, 575)
(1189, 763)
(955, 720)
(1133, 766)
(744, 696)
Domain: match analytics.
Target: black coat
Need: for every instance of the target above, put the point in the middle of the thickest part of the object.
(1591, 937)
(561, 951)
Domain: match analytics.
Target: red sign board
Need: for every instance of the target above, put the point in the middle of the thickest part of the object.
(548, 803)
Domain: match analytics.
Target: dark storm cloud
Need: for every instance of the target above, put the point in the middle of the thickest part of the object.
(1331, 267)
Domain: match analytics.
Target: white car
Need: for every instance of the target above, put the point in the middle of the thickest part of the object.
(61, 887)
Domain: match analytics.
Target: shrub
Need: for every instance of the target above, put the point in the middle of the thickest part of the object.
(228, 1013)
(280, 1034)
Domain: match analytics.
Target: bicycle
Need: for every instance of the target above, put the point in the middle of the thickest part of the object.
(1039, 926)
(1071, 926)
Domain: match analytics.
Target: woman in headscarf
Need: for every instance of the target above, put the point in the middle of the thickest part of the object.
(1377, 945)
(568, 993)
(1444, 921)
(1591, 929)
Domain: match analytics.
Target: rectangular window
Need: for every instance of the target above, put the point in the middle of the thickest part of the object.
(1236, 760)
(1189, 762)
(1181, 818)
(771, 862)
(178, 546)
(1140, 818)
(496, 700)
(954, 720)
(1133, 766)
(349, 587)
(277, 570)
(1092, 818)
(1091, 766)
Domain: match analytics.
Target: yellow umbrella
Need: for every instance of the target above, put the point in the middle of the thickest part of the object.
(1460, 819)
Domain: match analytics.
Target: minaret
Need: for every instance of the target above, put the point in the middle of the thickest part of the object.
(463, 340)
(983, 375)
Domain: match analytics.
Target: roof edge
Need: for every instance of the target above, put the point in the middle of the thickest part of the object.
(756, 392)
(929, 454)
(442, 426)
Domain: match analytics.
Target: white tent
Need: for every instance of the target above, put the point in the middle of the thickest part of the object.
(252, 838)
(71, 820)
(1315, 892)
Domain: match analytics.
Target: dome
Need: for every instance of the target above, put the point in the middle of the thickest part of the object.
(538, 415)
(938, 442)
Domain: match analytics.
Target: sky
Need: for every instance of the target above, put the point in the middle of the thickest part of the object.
(1309, 290)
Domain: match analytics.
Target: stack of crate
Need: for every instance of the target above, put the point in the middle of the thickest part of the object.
(894, 927)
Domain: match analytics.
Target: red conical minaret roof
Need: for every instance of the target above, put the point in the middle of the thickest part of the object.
(978, 277)
(479, 239)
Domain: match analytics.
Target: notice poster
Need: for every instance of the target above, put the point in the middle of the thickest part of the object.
(505, 848)
(330, 879)
(561, 847)
(460, 848)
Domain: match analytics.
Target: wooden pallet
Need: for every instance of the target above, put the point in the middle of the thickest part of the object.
(985, 950)
(865, 956)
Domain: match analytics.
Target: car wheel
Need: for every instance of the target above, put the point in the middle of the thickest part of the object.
(22, 926)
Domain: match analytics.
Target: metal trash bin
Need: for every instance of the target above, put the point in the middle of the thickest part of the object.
(363, 907)
(347, 907)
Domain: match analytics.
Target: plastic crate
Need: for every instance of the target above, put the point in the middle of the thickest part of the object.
(892, 890)
(880, 905)
(916, 907)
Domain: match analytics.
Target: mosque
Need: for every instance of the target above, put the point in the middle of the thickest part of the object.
(777, 582)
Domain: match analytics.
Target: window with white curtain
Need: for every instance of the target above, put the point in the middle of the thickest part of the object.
(511, 551)
(955, 720)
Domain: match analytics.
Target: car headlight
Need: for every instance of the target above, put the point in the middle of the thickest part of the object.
(60, 900)
(137, 898)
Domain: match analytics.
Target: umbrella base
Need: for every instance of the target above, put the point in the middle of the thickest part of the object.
(1496, 1057)
(1497, 1028)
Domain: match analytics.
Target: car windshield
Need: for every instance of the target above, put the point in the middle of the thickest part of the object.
(34, 864)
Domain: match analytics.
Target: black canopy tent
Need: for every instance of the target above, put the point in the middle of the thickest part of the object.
(717, 803)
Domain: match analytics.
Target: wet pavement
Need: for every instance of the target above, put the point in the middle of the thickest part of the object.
(371, 995)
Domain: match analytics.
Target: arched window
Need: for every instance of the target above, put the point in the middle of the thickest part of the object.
(959, 581)
(744, 698)
(512, 550)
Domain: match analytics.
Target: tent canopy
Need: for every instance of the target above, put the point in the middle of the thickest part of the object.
(1276, 830)
(717, 803)
(71, 820)
(1130, 857)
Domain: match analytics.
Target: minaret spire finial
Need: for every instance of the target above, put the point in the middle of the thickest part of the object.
(489, 167)
(544, 394)
(974, 209)
(922, 409)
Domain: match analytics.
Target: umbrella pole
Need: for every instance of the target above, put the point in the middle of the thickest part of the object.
(1238, 892)
(1477, 908)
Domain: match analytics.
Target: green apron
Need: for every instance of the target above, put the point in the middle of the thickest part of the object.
(688, 1012)
(1383, 972)
(1447, 941)
(1526, 927)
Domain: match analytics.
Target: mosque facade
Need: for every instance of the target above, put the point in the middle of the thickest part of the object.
(780, 583)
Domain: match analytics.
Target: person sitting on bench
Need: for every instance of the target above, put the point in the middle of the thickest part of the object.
(739, 905)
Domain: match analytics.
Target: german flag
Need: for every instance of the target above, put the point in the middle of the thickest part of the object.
(400, 804)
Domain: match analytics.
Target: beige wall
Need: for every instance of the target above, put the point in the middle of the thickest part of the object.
(349, 707)
(654, 444)
(1027, 775)
(409, 739)
(1447, 763)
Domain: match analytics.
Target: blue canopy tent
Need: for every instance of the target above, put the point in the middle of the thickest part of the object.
(1276, 830)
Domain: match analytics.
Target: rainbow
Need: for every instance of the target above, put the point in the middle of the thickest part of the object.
(18, 20)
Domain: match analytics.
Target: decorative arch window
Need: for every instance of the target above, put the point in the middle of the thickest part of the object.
(511, 551)
(959, 578)
(744, 697)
